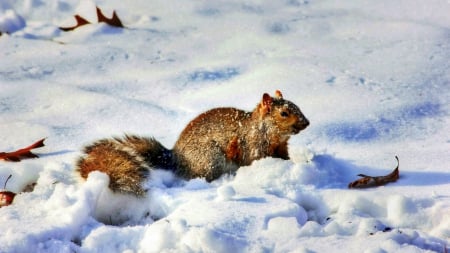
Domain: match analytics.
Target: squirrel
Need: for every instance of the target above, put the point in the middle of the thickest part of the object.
(216, 142)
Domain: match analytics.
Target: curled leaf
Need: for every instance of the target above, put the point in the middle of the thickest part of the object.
(6, 197)
(20, 154)
(370, 181)
(80, 22)
(113, 21)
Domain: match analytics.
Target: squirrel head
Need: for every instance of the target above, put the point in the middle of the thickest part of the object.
(283, 114)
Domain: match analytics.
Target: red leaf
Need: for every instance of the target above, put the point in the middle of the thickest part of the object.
(6, 198)
(114, 21)
(80, 22)
(20, 154)
(369, 181)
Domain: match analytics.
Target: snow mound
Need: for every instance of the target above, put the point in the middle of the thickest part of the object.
(372, 78)
(271, 205)
(10, 21)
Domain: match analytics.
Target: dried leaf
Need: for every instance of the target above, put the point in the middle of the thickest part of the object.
(114, 21)
(29, 187)
(6, 197)
(20, 154)
(80, 22)
(370, 181)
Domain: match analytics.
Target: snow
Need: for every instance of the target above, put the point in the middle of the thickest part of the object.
(373, 78)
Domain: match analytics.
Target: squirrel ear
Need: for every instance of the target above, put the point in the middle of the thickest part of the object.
(266, 104)
(278, 94)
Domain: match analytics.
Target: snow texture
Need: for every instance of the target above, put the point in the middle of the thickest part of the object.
(373, 78)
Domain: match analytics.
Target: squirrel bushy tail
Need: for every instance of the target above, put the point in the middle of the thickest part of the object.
(127, 161)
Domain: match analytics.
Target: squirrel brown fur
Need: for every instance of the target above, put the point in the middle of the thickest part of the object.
(216, 142)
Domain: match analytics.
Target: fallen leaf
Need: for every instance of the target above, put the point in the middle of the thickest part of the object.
(20, 154)
(114, 21)
(80, 22)
(6, 197)
(370, 181)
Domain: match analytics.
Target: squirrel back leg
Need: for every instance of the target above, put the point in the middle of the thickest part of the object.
(223, 161)
(210, 162)
(234, 152)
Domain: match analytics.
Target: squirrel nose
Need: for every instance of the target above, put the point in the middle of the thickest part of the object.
(300, 125)
(305, 122)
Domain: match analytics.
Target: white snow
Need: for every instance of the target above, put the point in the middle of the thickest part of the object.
(373, 78)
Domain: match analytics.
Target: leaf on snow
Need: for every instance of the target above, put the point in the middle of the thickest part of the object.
(20, 154)
(370, 181)
(80, 22)
(113, 21)
(6, 197)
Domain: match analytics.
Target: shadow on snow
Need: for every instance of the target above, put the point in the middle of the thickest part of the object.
(331, 172)
(384, 126)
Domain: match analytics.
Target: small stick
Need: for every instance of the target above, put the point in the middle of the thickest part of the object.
(4, 186)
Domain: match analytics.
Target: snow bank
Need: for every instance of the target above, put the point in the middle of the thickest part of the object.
(271, 205)
(371, 77)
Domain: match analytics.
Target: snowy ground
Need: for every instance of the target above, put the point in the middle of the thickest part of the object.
(373, 77)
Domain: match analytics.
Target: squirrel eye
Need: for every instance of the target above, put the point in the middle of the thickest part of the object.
(284, 114)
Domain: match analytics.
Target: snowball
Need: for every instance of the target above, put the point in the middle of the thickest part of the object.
(311, 228)
(400, 209)
(225, 192)
(208, 239)
(113, 239)
(283, 227)
(370, 226)
(197, 184)
(11, 22)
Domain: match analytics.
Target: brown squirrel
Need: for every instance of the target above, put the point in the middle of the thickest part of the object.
(216, 142)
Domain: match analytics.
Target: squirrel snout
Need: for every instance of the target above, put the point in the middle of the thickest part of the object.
(305, 122)
(301, 125)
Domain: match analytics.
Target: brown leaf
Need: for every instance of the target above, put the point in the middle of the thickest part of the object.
(370, 181)
(20, 154)
(80, 22)
(114, 21)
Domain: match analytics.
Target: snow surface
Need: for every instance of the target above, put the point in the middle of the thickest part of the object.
(373, 77)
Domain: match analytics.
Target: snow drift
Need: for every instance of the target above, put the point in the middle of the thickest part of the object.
(371, 77)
